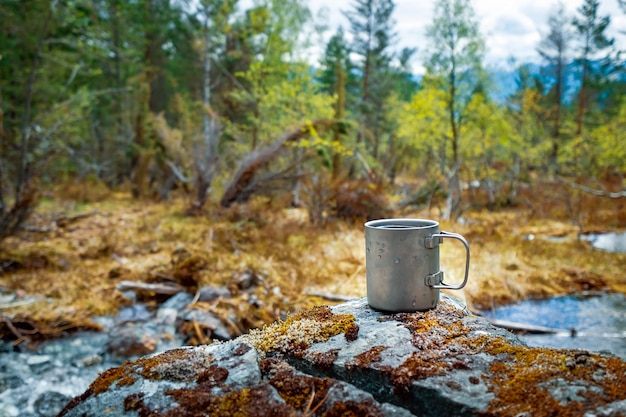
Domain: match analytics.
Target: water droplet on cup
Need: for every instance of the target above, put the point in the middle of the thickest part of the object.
(368, 250)
(414, 303)
(380, 256)
(396, 260)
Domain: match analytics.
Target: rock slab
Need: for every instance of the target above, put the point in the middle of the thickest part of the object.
(352, 360)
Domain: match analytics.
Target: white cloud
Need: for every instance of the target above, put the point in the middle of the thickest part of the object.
(512, 28)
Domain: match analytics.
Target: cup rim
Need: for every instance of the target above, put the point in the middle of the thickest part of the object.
(404, 223)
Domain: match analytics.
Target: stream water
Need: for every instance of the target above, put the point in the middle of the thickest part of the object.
(610, 242)
(599, 322)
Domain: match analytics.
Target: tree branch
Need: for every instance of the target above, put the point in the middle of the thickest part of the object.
(592, 191)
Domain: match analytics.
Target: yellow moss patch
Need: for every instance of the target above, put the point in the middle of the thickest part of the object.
(301, 330)
(519, 380)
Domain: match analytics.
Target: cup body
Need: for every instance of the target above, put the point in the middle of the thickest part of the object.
(398, 264)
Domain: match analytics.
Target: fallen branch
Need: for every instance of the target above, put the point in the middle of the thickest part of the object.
(166, 289)
(243, 184)
(592, 191)
(523, 327)
(20, 334)
(62, 221)
(67, 220)
(328, 296)
(20, 303)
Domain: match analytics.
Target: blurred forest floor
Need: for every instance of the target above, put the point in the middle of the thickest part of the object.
(68, 264)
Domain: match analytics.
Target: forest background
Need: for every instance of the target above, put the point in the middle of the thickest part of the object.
(225, 111)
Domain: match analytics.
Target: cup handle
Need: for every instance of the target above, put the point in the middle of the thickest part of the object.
(435, 240)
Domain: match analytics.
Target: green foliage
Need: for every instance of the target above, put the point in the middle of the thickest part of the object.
(118, 90)
(455, 54)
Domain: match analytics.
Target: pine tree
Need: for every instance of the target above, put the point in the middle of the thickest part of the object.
(337, 78)
(555, 48)
(593, 40)
(372, 24)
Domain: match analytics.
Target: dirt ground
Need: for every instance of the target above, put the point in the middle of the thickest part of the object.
(69, 264)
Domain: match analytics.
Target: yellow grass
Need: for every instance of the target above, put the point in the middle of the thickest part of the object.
(78, 265)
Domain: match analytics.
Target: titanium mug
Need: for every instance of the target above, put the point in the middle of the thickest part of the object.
(402, 264)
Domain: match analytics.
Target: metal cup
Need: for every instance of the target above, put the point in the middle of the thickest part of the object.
(402, 264)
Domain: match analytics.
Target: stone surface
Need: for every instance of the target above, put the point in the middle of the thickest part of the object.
(212, 293)
(208, 322)
(41, 384)
(352, 360)
(220, 380)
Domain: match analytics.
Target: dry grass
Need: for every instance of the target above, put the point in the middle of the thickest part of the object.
(77, 264)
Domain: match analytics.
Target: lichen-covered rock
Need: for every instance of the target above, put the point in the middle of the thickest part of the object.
(220, 380)
(352, 360)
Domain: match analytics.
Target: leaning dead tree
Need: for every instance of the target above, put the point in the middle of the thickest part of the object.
(247, 181)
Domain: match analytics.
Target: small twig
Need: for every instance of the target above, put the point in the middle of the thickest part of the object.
(20, 303)
(18, 333)
(119, 259)
(199, 333)
(165, 277)
(167, 289)
(306, 410)
(11, 327)
(33, 229)
(66, 220)
(309, 413)
(196, 297)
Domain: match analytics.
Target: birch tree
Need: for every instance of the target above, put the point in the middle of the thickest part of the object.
(454, 62)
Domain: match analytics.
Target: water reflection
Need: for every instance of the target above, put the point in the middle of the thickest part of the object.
(611, 242)
(599, 322)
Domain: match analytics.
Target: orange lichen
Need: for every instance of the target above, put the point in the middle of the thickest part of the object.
(363, 360)
(213, 376)
(366, 408)
(247, 402)
(108, 378)
(324, 359)
(416, 367)
(172, 365)
(299, 331)
(527, 372)
(433, 329)
(297, 390)
(518, 374)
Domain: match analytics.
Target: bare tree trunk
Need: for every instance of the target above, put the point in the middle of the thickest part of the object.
(581, 99)
(340, 114)
(206, 158)
(23, 175)
(2, 204)
(453, 200)
(360, 136)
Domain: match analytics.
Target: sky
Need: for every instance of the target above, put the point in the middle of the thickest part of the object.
(512, 28)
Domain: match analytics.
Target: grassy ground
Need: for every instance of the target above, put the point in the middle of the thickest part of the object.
(81, 252)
